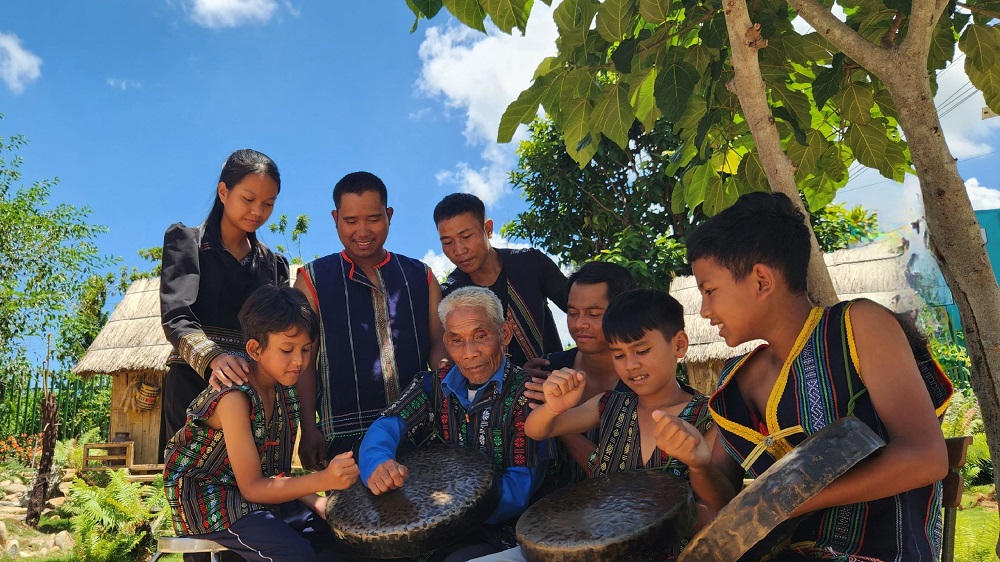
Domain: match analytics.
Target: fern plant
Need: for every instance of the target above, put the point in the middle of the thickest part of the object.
(115, 523)
(963, 417)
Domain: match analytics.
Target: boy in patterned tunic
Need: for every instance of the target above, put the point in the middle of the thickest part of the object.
(819, 365)
(224, 473)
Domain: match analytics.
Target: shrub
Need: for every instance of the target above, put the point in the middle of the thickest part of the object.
(115, 523)
(963, 417)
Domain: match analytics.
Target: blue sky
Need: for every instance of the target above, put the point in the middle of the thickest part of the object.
(135, 105)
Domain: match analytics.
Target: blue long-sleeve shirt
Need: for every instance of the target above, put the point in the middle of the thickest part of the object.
(517, 483)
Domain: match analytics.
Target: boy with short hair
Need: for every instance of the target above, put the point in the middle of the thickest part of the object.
(224, 473)
(645, 329)
(819, 365)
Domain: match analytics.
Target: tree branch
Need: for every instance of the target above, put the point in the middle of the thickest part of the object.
(889, 39)
(978, 10)
(841, 36)
(924, 16)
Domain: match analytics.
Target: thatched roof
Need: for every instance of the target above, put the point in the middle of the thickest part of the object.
(875, 271)
(132, 341)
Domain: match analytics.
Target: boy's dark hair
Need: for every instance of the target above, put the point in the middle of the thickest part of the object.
(759, 228)
(358, 183)
(632, 313)
(616, 278)
(457, 204)
(272, 310)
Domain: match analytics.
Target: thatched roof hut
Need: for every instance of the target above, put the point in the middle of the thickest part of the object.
(132, 341)
(875, 271)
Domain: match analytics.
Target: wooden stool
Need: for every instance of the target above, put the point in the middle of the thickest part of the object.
(184, 545)
(951, 492)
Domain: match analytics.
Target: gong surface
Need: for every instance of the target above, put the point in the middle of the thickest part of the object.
(624, 516)
(450, 491)
(769, 501)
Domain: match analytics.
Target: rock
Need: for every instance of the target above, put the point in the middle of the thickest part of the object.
(57, 502)
(4, 536)
(11, 548)
(6, 483)
(42, 552)
(16, 488)
(64, 541)
(51, 541)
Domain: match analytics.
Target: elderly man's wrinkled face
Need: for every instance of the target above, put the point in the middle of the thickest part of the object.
(474, 342)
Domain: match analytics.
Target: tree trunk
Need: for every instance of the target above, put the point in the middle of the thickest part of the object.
(956, 243)
(50, 419)
(745, 41)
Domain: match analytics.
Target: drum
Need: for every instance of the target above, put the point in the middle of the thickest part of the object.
(624, 516)
(745, 525)
(449, 493)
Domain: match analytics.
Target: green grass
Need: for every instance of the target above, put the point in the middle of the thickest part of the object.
(976, 528)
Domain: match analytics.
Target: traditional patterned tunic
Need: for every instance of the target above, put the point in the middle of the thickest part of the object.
(820, 383)
(494, 424)
(374, 337)
(620, 449)
(527, 280)
(197, 477)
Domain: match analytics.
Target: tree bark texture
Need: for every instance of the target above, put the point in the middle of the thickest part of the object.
(50, 419)
(748, 84)
(951, 223)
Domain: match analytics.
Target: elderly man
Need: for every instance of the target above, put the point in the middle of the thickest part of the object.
(481, 396)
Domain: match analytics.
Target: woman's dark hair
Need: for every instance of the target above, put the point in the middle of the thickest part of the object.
(271, 310)
(239, 165)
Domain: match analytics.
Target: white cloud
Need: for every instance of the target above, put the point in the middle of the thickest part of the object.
(18, 67)
(122, 85)
(982, 197)
(960, 109)
(439, 264)
(232, 13)
(479, 76)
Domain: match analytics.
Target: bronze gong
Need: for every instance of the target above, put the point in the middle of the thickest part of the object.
(450, 491)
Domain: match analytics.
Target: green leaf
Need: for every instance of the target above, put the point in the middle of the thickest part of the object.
(674, 86)
(614, 19)
(573, 19)
(654, 11)
(687, 125)
(468, 12)
(713, 32)
(885, 103)
(427, 8)
(580, 142)
(815, 47)
(677, 199)
(508, 14)
(981, 45)
(829, 175)
(804, 156)
(781, 112)
(856, 103)
(872, 148)
(826, 85)
(521, 110)
(622, 56)
(796, 102)
(643, 102)
(681, 157)
(751, 174)
(613, 115)
(699, 57)
(942, 44)
(547, 65)
(699, 181)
